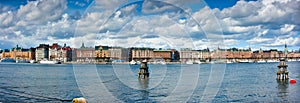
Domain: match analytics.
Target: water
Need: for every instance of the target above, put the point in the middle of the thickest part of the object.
(238, 82)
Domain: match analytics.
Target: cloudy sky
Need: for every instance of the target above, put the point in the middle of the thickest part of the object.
(266, 24)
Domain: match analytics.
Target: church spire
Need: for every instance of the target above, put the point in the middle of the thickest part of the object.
(285, 49)
(82, 45)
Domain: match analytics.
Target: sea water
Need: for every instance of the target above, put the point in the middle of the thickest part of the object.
(236, 82)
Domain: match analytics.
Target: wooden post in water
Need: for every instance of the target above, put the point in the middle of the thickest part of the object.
(282, 72)
(143, 72)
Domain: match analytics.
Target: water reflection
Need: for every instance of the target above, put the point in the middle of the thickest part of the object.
(282, 88)
(144, 84)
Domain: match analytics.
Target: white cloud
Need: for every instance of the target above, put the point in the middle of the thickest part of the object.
(259, 40)
(6, 19)
(40, 12)
(287, 28)
(151, 7)
(267, 23)
(110, 5)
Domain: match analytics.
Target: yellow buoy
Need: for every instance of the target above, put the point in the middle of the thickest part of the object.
(79, 100)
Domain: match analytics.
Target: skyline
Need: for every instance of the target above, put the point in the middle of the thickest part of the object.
(95, 46)
(266, 24)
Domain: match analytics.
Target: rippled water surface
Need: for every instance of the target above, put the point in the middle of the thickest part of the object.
(237, 82)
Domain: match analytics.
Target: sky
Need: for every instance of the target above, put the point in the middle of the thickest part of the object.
(197, 24)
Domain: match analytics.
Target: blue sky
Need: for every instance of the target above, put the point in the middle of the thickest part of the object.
(198, 24)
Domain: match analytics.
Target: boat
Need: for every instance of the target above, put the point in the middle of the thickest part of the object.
(243, 61)
(161, 62)
(292, 60)
(261, 61)
(229, 62)
(272, 61)
(189, 62)
(218, 61)
(32, 61)
(22, 61)
(197, 62)
(138, 62)
(49, 62)
(132, 62)
(8, 60)
(117, 61)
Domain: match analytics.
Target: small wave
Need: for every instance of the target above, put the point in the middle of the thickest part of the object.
(4, 87)
(250, 95)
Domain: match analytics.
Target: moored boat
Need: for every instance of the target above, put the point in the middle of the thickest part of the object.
(189, 62)
(32, 61)
(132, 62)
(261, 61)
(244, 61)
(49, 62)
(272, 61)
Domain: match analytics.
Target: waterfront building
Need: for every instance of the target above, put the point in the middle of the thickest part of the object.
(126, 54)
(118, 53)
(32, 54)
(102, 53)
(204, 54)
(42, 52)
(53, 51)
(245, 54)
(160, 53)
(219, 54)
(189, 55)
(64, 54)
(6, 53)
(140, 54)
(18, 53)
(85, 54)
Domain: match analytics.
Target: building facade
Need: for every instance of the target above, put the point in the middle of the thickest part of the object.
(64, 54)
(162, 54)
(102, 53)
(18, 53)
(140, 54)
(118, 53)
(53, 51)
(85, 55)
(42, 52)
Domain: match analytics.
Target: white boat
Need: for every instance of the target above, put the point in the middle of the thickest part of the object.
(229, 62)
(138, 62)
(189, 62)
(243, 61)
(49, 62)
(32, 61)
(197, 62)
(292, 60)
(261, 61)
(132, 62)
(272, 61)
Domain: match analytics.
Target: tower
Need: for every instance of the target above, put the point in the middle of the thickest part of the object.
(82, 45)
(285, 50)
